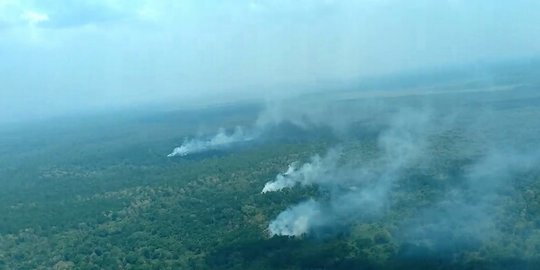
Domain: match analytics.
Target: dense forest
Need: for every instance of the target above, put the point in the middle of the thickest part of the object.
(101, 193)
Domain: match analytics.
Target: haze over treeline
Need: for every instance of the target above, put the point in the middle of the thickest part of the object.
(62, 57)
(269, 134)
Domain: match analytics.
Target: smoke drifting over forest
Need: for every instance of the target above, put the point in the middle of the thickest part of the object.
(308, 174)
(474, 157)
(471, 156)
(355, 190)
(221, 140)
(269, 134)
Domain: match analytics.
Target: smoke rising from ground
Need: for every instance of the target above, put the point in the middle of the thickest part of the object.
(470, 156)
(469, 212)
(297, 220)
(306, 114)
(308, 174)
(473, 158)
(355, 190)
(220, 141)
(298, 113)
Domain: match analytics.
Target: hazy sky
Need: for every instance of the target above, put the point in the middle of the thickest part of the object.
(66, 56)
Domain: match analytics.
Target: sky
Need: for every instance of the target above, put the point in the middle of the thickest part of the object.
(65, 57)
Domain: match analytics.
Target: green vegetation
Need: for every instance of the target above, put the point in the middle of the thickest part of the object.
(103, 195)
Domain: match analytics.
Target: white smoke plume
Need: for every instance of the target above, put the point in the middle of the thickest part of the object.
(308, 174)
(473, 161)
(283, 180)
(219, 141)
(305, 114)
(297, 220)
(469, 212)
(354, 190)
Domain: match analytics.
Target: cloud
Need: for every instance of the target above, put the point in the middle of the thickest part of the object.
(53, 14)
(116, 52)
(33, 17)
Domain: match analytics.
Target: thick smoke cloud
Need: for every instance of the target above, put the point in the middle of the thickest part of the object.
(308, 174)
(302, 114)
(220, 141)
(469, 212)
(473, 158)
(297, 220)
(355, 190)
